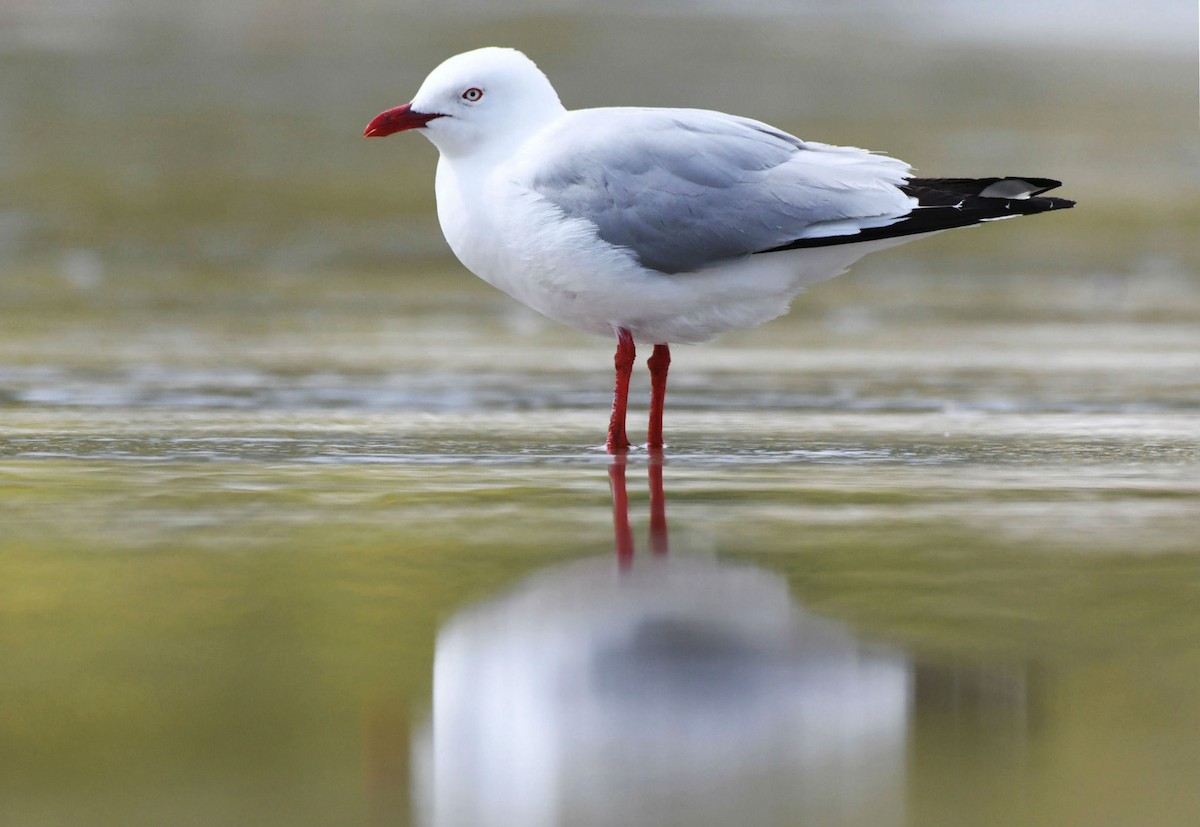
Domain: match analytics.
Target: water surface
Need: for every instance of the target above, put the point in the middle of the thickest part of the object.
(366, 567)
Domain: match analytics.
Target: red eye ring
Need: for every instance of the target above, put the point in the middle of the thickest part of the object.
(473, 95)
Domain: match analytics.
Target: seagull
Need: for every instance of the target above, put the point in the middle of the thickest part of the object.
(662, 226)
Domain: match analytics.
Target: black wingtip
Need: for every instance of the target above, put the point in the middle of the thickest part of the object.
(947, 203)
(984, 198)
(1009, 186)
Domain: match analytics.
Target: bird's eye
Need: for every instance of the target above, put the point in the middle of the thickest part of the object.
(472, 95)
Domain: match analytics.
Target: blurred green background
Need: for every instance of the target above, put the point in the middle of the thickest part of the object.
(169, 137)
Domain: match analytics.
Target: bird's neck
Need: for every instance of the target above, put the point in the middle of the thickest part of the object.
(490, 144)
(461, 207)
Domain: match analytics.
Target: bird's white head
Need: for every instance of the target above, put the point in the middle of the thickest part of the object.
(488, 97)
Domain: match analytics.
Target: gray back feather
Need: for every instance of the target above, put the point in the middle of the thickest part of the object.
(683, 189)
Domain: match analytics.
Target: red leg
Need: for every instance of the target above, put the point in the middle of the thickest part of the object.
(658, 364)
(617, 438)
(622, 534)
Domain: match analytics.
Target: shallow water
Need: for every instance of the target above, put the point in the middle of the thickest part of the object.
(374, 567)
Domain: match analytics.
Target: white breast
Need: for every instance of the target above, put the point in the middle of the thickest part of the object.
(515, 240)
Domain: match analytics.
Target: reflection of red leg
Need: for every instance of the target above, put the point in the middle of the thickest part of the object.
(617, 439)
(622, 534)
(658, 364)
(658, 508)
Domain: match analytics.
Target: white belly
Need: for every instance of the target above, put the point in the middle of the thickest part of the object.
(520, 243)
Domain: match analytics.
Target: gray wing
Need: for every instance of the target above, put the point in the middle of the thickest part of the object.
(684, 188)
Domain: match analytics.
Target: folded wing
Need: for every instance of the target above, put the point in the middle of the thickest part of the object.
(684, 189)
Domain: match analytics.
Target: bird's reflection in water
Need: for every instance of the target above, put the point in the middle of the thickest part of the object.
(661, 689)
